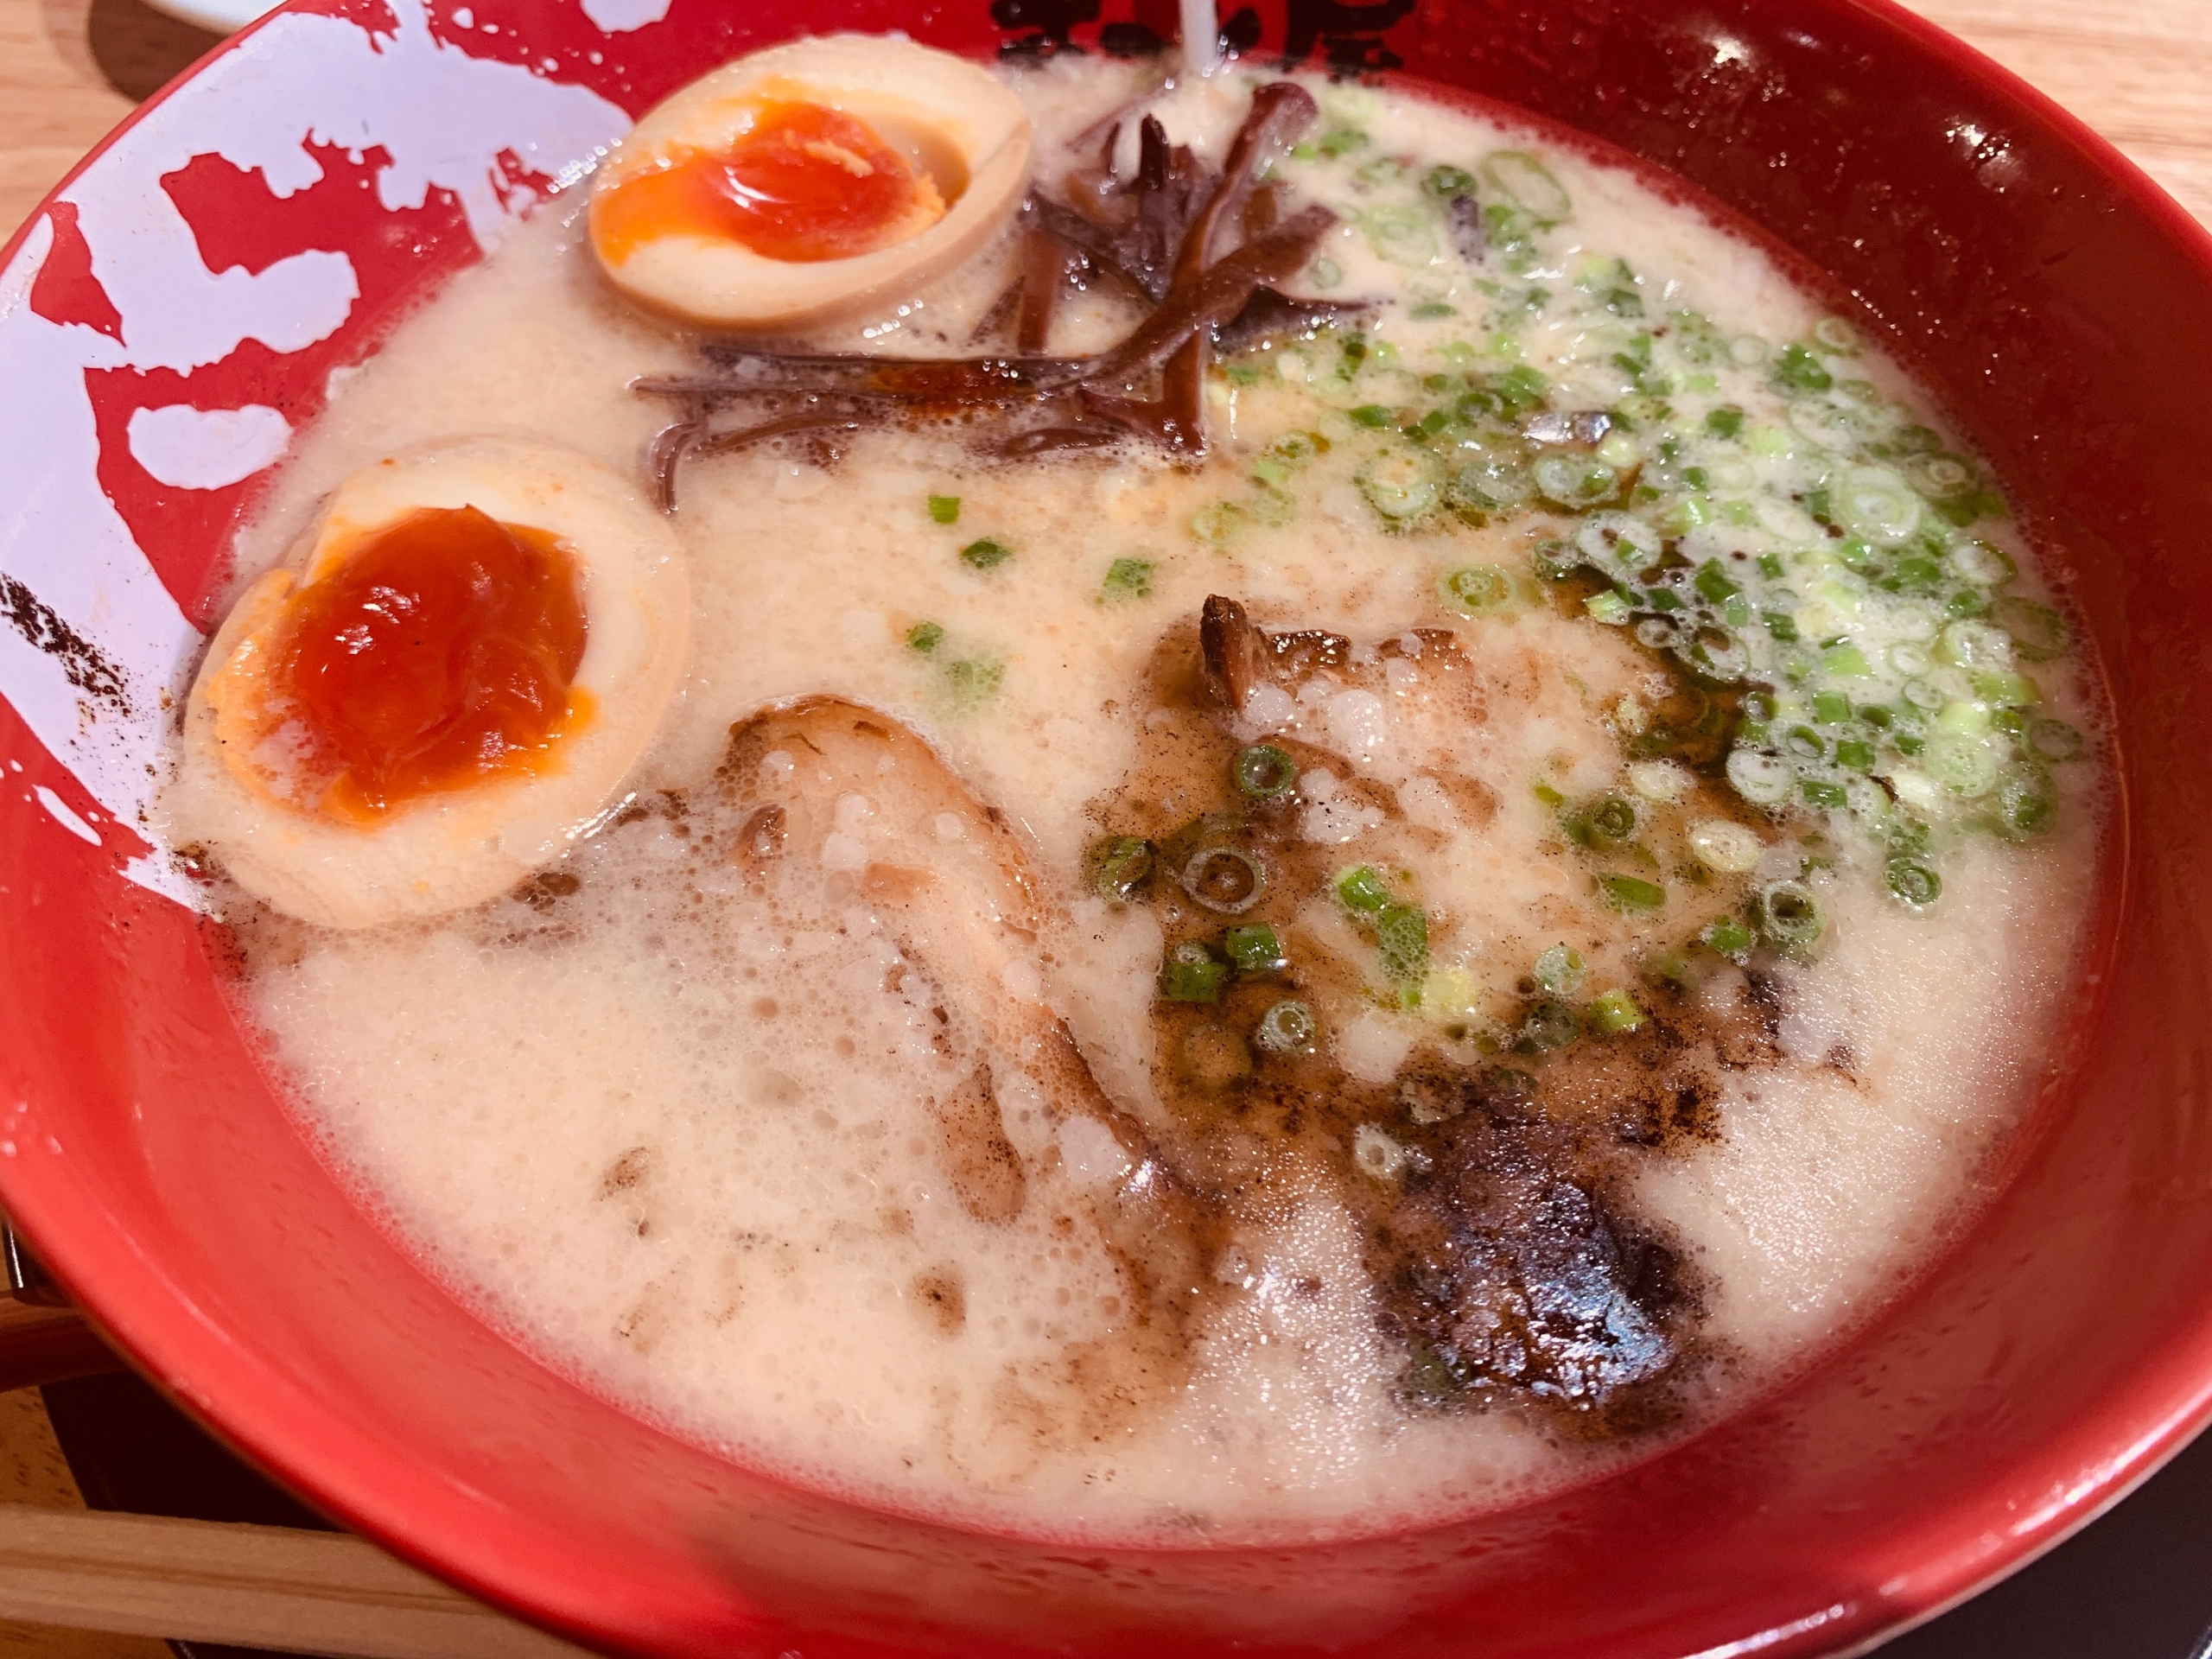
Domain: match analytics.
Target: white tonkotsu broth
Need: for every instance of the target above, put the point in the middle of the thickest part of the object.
(698, 1135)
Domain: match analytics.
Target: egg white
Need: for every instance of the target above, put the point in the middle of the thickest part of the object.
(950, 116)
(443, 852)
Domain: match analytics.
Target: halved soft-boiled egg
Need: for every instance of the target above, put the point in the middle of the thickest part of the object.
(808, 180)
(446, 681)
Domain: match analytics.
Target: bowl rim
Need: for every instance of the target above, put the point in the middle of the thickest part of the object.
(2157, 1409)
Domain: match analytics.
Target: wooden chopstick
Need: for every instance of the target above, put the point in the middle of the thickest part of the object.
(255, 1587)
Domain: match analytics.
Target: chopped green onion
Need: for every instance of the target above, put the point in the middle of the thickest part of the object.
(1819, 792)
(1402, 483)
(1225, 879)
(1983, 565)
(984, 554)
(1713, 582)
(1559, 970)
(1913, 572)
(1609, 607)
(1478, 588)
(1845, 663)
(2054, 740)
(1577, 481)
(1965, 763)
(1217, 522)
(1621, 450)
(1725, 421)
(1521, 386)
(1364, 890)
(1614, 1014)
(1611, 819)
(2005, 690)
(1728, 847)
(1875, 504)
(1914, 882)
(1658, 780)
(1128, 579)
(1631, 892)
(1964, 718)
(1908, 836)
(1528, 184)
(2025, 804)
(1943, 477)
(1264, 771)
(2039, 633)
(1491, 485)
(1287, 1028)
(1448, 181)
(944, 509)
(1857, 755)
(1192, 974)
(1256, 949)
(1804, 742)
(925, 636)
(1619, 544)
(1922, 695)
(1729, 937)
(1975, 645)
(1402, 930)
(1374, 415)
(1836, 334)
(1763, 780)
(1789, 915)
(1550, 1025)
(974, 680)
(1798, 370)
(1118, 867)
(1967, 601)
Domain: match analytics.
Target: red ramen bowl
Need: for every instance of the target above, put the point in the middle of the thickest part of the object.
(178, 308)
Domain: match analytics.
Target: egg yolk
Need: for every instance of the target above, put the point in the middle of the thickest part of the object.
(438, 654)
(804, 183)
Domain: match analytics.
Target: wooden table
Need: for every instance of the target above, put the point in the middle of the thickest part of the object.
(2139, 71)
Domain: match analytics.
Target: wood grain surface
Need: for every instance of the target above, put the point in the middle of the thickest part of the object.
(271, 1587)
(2139, 71)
